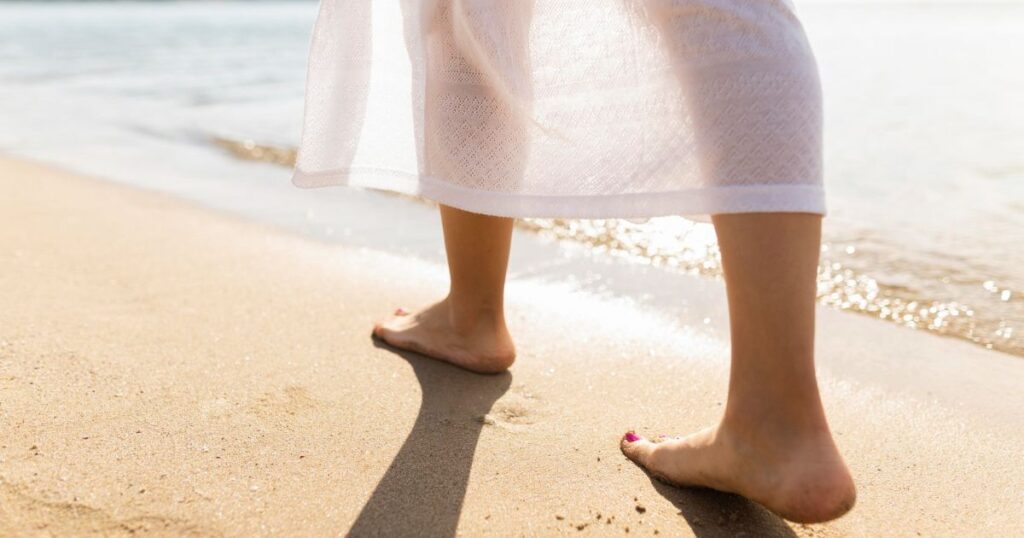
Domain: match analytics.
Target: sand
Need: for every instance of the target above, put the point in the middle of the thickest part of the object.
(169, 370)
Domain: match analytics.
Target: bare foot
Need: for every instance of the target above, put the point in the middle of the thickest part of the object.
(801, 479)
(480, 344)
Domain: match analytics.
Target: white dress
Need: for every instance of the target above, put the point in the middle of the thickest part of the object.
(567, 108)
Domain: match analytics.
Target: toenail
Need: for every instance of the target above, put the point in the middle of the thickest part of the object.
(632, 437)
(400, 312)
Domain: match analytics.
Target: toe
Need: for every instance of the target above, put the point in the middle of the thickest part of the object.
(636, 448)
(383, 332)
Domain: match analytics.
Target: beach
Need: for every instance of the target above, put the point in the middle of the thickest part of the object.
(166, 369)
(916, 235)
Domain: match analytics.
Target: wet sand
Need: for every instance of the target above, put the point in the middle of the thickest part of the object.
(169, 370)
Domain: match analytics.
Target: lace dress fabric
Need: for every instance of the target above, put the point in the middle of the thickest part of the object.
(567, 108)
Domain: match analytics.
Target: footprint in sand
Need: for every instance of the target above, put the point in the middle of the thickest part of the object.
(60, 517)
(516, 410)
(294, 400)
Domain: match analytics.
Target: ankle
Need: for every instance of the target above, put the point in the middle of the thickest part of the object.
(777, 404)
(776, 423)
(469, 316)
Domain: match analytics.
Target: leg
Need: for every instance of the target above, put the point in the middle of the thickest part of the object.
(773, 444)
(467, 328)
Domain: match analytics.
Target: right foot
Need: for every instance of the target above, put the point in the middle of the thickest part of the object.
(483, 345)
(803, 480)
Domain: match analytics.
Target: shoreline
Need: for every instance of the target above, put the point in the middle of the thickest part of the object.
(844, 282)
(173, 370)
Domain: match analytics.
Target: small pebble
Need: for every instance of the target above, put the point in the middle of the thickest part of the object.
(640, 509)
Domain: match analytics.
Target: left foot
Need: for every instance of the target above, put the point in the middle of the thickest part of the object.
(801, 478)
(482, 344)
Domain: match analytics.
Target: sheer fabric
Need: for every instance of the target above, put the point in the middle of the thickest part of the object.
(567, 108)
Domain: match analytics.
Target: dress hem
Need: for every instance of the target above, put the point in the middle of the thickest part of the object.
(692, 203)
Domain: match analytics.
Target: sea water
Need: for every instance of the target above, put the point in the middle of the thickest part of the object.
(924, 141)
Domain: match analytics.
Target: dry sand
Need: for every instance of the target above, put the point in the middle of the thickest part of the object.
(169, 370)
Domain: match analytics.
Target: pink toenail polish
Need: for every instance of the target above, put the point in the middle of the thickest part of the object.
(400, 312)
(632, 437)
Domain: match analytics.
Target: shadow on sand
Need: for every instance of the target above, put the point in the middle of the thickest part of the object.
(713, 514)
(422, 491)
